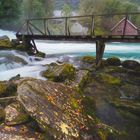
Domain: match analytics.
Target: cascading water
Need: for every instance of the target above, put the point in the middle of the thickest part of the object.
(15, 62)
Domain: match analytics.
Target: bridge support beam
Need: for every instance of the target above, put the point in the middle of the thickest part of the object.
(100, 47)
(30, 44)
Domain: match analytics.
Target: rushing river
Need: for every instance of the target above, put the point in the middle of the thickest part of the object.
(15, 62)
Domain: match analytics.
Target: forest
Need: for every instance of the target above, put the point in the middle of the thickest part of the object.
(13, 12)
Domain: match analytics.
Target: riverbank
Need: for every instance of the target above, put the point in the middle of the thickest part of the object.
(74, 100)
(83, 102)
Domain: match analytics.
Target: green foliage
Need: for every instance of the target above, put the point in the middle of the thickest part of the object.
(66, 10)
(103, 25)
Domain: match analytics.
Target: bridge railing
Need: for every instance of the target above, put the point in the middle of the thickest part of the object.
(91, 25)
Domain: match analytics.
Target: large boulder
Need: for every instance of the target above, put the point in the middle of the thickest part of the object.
(86, 62)
(113, 61)
(14, 114)
(60, 73)
(5, 42)
(130, 64)
(56, 107)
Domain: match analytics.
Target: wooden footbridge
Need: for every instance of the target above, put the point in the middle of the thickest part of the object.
(102, 28)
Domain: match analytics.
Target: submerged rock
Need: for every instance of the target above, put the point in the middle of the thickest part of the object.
(56, 108)
(5, 42)
(14, 114)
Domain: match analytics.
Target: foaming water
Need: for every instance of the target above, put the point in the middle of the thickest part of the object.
(15, 62)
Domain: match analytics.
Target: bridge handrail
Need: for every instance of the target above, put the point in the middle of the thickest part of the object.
(67, 32)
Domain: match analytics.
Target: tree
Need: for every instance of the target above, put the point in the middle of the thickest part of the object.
(66, 10)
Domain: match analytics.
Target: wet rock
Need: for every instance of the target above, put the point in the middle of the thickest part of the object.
(59, 73)
(86, 62)
(15, 42)
(54, 106)
(17, 77)
(63, 59)
(113, 61)
(88, 59)
(21, 47)
(130, 64)
(14, 114)
(40, 54)
(5, 42)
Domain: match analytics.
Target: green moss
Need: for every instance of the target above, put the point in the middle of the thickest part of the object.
(3, 88)
(7, 89)
(74, 103)
(114, 61)
(88, 59)
(106, 78)
(5, 43)
(21, 47)
(40, 54)
(59, 73)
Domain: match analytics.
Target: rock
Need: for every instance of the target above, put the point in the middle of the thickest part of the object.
(19, 132)
(81, 78)
(60, 73)
(86, 62)
(21, 47)
(5, 42)
(7, 100)
(40, 54)
(63, 59)
(88, 59)
(7, 89)
(109, 79)
(14, 114)
(113, 61)
(56, 107)
(2, 114)
(130, 64)
(17, 77)
(15, 42)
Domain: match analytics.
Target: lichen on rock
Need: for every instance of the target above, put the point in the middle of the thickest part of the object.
(14, 114)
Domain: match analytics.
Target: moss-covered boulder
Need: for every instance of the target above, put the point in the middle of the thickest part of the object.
(130, 64)
(5, 42)
(21, 47)
(113, 61)
(56, 107)
(88, 59)
(7, 89)
(14, 114)
(60, 73)
(40, 54)
(86, 62)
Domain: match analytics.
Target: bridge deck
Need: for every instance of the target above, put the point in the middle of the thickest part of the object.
(110, 38)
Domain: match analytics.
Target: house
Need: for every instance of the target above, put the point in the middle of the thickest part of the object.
(124, 27)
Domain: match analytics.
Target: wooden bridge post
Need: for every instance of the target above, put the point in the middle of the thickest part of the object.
(100, 47)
